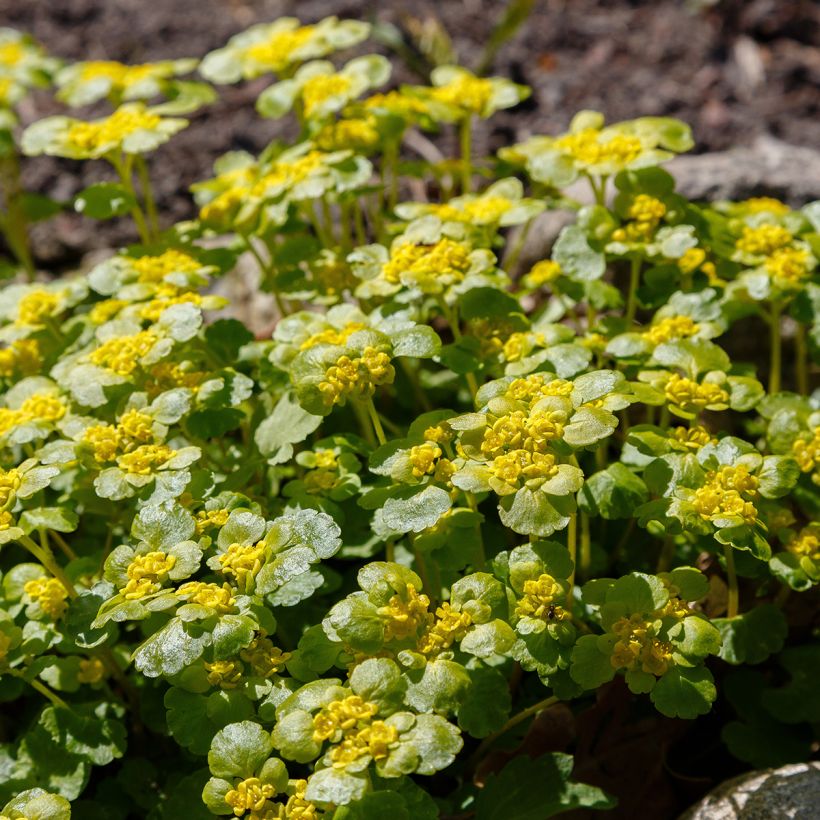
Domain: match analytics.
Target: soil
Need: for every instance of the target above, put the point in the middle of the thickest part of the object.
(733, 69)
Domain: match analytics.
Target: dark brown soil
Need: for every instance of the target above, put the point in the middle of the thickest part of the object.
(733, 69)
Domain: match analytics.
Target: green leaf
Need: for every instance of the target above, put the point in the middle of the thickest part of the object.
(613, 493)
(105, 201)
(37, 804)
(52, 518)
(163, 526)
(590, 666)
(239, 750)
(797, 701)
(225, 338)
(486, 705)
(752, 636)
(170, 649)
(534, 789)
(575, 256)
(418, 512)
(289, 424)
(336, 786)
(97, 740)
(684, 693)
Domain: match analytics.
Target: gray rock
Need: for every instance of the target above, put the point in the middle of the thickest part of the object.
(788, 793)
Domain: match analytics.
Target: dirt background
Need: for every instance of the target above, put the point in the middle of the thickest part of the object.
(733, 69)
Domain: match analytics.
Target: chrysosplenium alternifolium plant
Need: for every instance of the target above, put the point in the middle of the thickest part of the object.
(299, 575)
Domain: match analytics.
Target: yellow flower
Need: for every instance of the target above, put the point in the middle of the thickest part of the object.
(343, 715)
(106, 134)
(736, 478)
(243, 562)
(50, 594)
(790, 266)
(669, 328)
(806, 451)
(439, 433)
(166, 375)
(806, 544)
(765, 204)
(92, 670)
(357, 134)
(532, 388)
(319, 481)
(145, 459)
(763, 240)
(121, 354)
(333, 336)
(693, 438)
(399, 104)
(538, 600)
(154, 269)
(423, 458)
(405, 615)
(277, 52)
(146, 574)
(468, 94)
(691, 260)
(356, 378)
(105, 310)
(449, 626)
(6, 520)
(646, 213)
(12, 52)
(43, 407)
(713, 502)
(206, 519)
(317, 90)
(215, 597)
(542, 273)
(297, 808)
(249, 795)
(590, 147)
(37, 306)
(225, 674)
(518, 431)
(136, 425)
(693, 397)
(638, 648)
(105, 441)
(431, 268)
(10, 481)
(266, 660)
(521, 468)
(21, 356)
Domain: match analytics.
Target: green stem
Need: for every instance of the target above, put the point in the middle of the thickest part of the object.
(412, 377)
(14, 225)
(472, 503)
(268, 274)
(391, 167)
(510, 260)
(733, 604)
(46, 558)
(465, 133)
(634, 282)
(775, 349)
(55, 699)
(148, 195)
(123, 169)
(511, 723)
(63, 545)
(451, 317)
(801, 360)
(572, 546)
(586, 547)
(375, 421)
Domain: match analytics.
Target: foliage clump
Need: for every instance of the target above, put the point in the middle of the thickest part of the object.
(444, 493)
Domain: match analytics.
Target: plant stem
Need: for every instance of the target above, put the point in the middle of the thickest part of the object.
(55, 699)
(147, 195)
(451, 317)
(512, 722)
(801, 360)
(634, 282)
(123, 169)
(267, 274)
(375, 421)
(572, 546)
(510, 260)
(465, 133)
(586, 547)
(775, 349)
(46, 558)
(732, 607)
(63, 545)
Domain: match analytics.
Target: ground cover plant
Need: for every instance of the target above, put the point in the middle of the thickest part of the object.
(336, 570)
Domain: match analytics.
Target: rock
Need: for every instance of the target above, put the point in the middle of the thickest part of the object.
(790, 792)
(766, 167)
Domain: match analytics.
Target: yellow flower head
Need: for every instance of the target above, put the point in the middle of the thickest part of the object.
(249, 795)
(22, 357)
(538, 600)
(225, 674)
(448, 628)
(333, 336)
(670, 328)
(105, 441)
(690, 396)
(243, 562)
(154, 269)
(693, 438)
(405, 615)
(208, 519)
(43, 407)
(145, 459)
(430, 268)
(422, 458)
(788, 266)
(590, 147)
(638, 649)
(806, 451)
(265, 659)
(121, 354)
(806, 544)
(466, 93)
(357, 377)
(215, 597)
(320, 88)
(356, 134)
(92, 670)
(10, 481)
(521, 468)
(105, 134)
(542, 273)
(50, 594)
(764, 239)
(137, 426)
(146, 574)
(37, 306)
